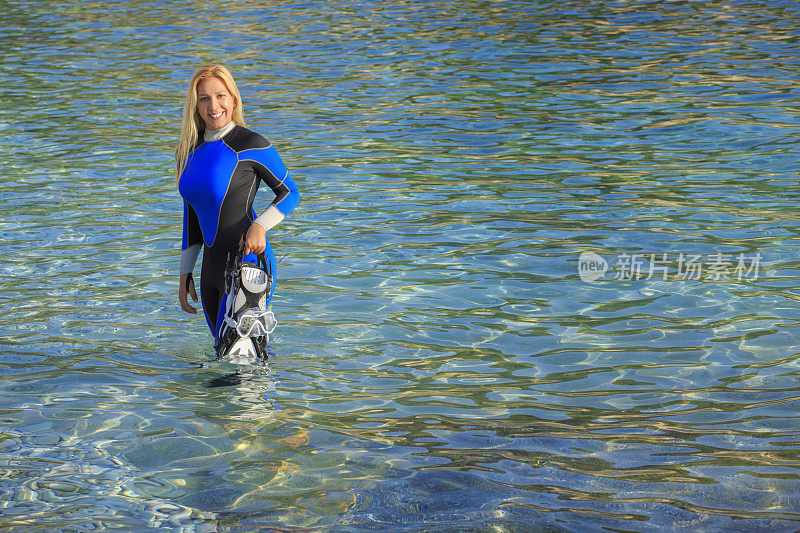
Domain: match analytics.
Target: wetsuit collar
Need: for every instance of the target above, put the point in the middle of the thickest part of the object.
(215, 135)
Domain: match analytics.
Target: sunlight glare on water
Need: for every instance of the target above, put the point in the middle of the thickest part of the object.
(441, 361)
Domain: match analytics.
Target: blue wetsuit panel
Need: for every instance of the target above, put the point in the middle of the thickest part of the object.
(272, 171)
(205, 181)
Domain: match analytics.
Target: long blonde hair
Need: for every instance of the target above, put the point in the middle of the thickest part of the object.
(192, 125)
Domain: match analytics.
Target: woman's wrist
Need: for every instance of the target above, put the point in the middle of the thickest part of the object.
(258, 227)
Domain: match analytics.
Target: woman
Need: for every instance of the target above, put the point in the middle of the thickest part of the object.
(220, 164)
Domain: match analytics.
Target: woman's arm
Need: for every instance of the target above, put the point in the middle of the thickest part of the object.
(270, 169)
(191, 243)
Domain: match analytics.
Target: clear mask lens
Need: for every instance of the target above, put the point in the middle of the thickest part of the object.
(256, 323)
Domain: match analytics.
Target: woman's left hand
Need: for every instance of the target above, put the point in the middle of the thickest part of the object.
(255, 241)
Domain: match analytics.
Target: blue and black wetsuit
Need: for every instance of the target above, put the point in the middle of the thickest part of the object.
(218, 186)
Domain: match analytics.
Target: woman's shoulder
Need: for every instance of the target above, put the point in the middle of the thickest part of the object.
(241, 138)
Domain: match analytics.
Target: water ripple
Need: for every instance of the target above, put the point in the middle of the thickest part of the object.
(439, 361)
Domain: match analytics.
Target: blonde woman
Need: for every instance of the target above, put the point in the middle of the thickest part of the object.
(220, 165)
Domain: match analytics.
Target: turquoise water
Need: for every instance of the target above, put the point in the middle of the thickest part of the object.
(440, 363)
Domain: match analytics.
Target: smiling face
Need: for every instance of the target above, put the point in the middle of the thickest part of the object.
(214, 103)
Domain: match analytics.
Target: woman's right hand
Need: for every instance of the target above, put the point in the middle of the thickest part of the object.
(182, 292)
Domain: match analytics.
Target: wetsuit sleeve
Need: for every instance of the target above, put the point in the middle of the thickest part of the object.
(270, 169)
(270, 218)
(191, 241)
(191, 228)
(189, 259)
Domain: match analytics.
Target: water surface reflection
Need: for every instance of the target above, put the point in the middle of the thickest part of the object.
(439, 363)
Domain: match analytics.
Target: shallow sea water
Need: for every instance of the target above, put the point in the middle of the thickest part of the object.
(441, 361)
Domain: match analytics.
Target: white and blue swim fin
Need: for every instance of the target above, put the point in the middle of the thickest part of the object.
(247, 322)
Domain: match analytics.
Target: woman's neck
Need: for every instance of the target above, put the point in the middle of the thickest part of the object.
(215, 135)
